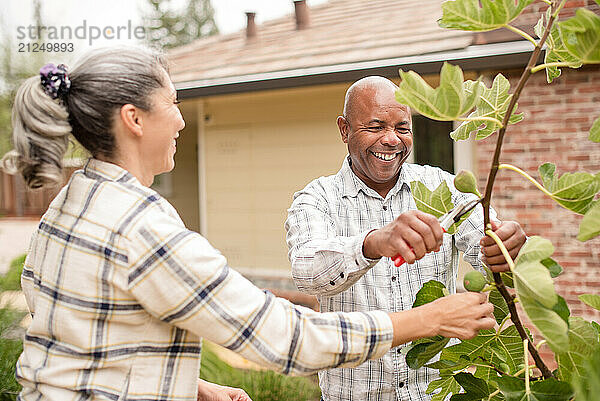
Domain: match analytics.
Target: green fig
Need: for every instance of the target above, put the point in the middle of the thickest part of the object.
(474, 281)
(466, 182)
(504, 367)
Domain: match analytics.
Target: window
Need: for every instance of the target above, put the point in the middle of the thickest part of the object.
(432, 143)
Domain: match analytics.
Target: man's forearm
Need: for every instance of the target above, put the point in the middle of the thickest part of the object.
(328, 267)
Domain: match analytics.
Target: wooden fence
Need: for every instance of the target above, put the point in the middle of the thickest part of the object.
(16, 200)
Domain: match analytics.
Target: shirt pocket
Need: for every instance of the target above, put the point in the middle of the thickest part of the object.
(437, 265)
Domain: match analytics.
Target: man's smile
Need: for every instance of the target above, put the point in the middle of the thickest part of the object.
(385, 156)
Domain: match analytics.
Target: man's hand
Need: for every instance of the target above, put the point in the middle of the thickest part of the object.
(513, 237)
(413, 229)
(213, 392)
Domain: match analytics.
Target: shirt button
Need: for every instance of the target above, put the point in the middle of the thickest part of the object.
(384, 207)
(399, 350)
(401, 384)
(332, 282)
(393, 278)
(342, 274)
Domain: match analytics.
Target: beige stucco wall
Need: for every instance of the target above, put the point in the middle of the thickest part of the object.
(260, 148)
(183, 192)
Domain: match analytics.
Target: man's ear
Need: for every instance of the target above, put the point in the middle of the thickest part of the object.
(131, 119)
(344, 128)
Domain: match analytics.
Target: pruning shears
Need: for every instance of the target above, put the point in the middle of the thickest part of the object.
(446, 221)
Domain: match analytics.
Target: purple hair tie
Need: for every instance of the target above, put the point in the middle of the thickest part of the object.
(55, 80)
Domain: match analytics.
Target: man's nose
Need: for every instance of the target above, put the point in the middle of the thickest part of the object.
(390, 137)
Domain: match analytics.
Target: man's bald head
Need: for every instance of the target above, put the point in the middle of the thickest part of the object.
(368, 86)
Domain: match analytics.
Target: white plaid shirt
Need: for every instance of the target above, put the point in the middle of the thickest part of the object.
(326, 227)
(120, 292)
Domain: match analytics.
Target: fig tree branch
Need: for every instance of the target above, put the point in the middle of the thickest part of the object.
(492, 178)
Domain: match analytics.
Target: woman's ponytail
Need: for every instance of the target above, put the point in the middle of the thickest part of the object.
(41, 130)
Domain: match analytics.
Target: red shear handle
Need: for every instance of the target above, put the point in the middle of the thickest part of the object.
(399, 260)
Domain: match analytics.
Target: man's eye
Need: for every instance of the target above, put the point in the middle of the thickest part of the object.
(177, 101)
(374, 128)
(403, 131)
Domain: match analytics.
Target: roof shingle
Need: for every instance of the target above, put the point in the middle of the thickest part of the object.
(340, 31)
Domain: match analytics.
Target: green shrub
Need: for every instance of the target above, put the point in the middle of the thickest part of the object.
(10, 349)
(11, 280)
(260, 385)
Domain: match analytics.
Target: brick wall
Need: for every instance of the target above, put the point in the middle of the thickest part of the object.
(555, 129)
(531, 14)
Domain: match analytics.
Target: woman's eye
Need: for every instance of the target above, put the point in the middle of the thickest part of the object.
(177, 101)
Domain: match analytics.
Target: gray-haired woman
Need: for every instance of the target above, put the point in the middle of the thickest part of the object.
(120, 291)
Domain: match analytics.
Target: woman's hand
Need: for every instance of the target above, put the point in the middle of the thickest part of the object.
(213, 392)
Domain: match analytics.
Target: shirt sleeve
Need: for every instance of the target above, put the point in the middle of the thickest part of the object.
(323, 263)
(179, 278)
(27, 275)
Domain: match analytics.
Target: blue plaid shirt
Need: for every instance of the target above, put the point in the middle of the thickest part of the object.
(326, 227)
(120, 293)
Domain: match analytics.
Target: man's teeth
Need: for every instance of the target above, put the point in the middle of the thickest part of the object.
(384, 156)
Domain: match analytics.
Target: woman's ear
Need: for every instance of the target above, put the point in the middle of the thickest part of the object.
(131, 118)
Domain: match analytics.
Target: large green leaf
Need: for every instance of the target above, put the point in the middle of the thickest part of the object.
(573, 191)
(532, 278)
(562, 309)
(430, 291)
(553, 267)
(447, 102)
(587, 388)
(546, 390)
(590, 224)
(423, 350)
(581, 36)
(500, 307)
(492, 103)
(535, 290)
(488, 345)
(592, 300)
(475, 388)
(445, 384)
(595, 131)
(555, 48)
(449, 366)
(549, 323)
(468, 15)
(583, 342)
(437, 202)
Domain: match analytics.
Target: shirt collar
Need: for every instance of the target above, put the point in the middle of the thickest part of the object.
(105, 171)
(351, 184)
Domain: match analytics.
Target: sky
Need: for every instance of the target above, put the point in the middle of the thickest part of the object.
(88, 18)
(16, 16)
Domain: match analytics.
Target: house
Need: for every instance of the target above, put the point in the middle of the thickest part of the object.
(260, 106)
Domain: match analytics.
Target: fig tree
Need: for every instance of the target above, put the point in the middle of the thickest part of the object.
(474, 281)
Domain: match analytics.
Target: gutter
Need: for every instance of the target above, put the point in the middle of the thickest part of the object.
(476, 57)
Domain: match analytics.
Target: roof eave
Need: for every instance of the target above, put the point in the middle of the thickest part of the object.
(477, 57)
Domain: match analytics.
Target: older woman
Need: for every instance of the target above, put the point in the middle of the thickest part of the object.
(120, 291)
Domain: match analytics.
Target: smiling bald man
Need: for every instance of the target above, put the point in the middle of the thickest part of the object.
(342, 231)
